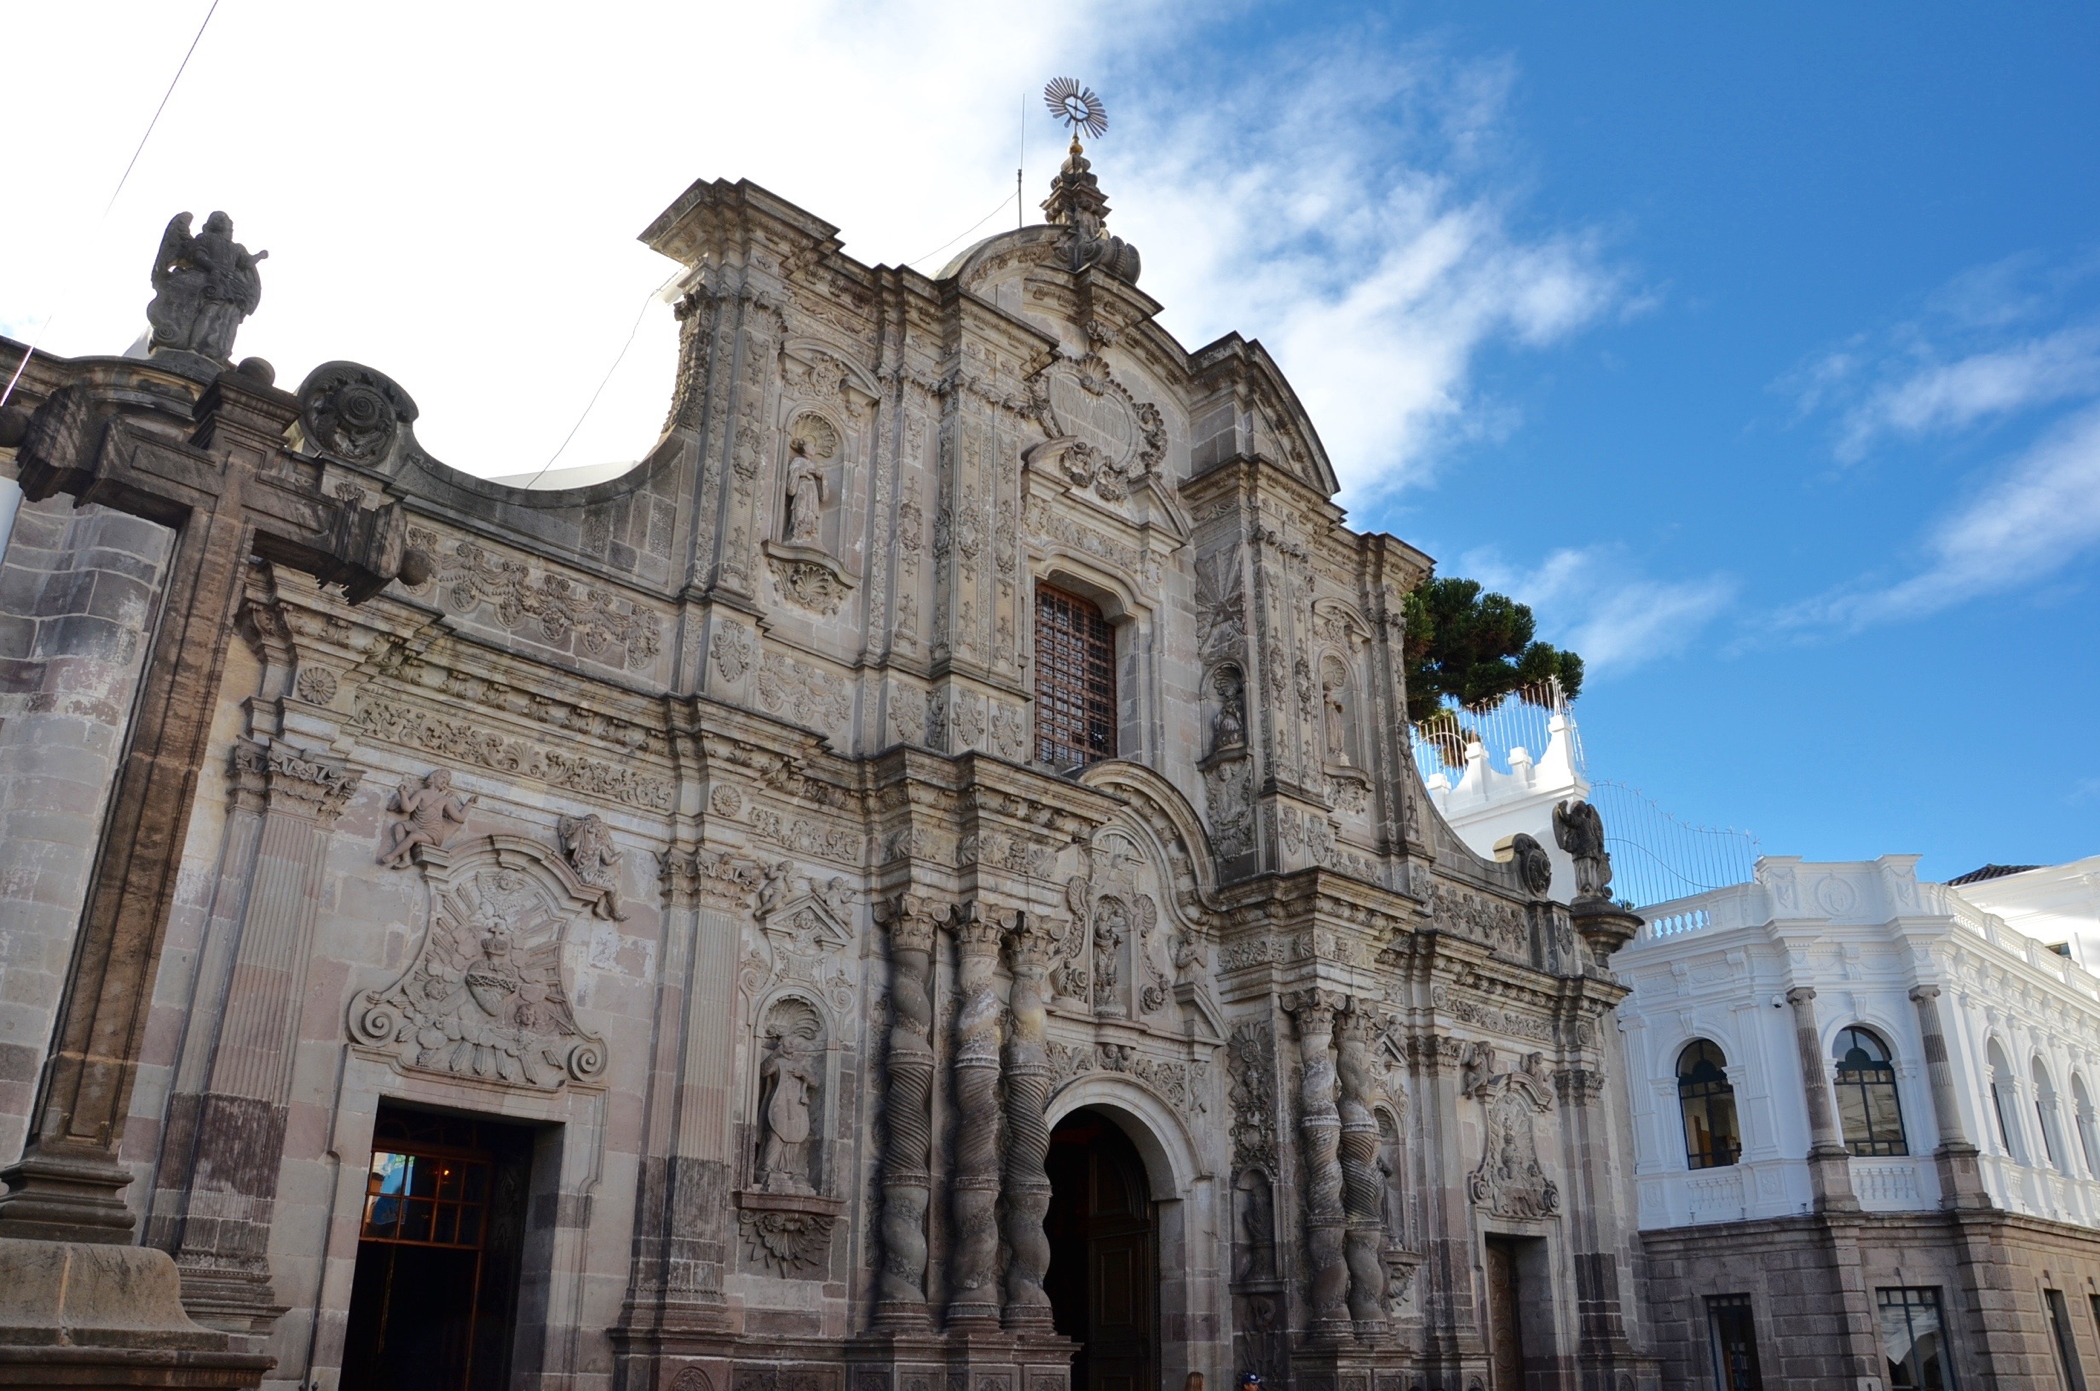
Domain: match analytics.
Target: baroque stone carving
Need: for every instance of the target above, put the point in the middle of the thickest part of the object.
(787, 1241)
(1251, 1064)
(353, 412)
(588, 843)
(485, 997)
(203, 286)
(1580, 832)
(1185, 1086)
(402, 724)
(1534, 866)
(807, 694)
(430, 811)
(554, 606)
(1510, 1181)
(734, 651)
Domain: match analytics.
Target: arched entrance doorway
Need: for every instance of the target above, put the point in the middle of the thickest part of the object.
(1104, 1255)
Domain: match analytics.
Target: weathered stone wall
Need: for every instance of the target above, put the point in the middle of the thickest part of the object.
(1812, 1282)
(78, 593)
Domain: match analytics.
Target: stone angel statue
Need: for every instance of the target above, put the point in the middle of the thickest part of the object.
(203, 286)
(1580, 832)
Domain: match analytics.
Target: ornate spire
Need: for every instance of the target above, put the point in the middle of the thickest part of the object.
(1076, 201)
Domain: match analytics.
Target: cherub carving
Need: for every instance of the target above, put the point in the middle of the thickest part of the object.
(774, 890)
(587, 842)
(430, 811)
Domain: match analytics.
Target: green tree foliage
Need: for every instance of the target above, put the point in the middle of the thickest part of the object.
(1477, 647)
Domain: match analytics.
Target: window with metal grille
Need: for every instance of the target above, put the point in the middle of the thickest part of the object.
(1075, 680)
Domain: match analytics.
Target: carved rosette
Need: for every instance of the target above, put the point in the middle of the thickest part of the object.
(1320, 1127)
(973, 1266)
(910, 921)
(1028, 1130)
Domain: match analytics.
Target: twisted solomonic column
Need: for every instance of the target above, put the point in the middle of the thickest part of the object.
(1027, 1131)
(907, 1113)
(973, 1286)
(1320, 1131)
(1364, 1240)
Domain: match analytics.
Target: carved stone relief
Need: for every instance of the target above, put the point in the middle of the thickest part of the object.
(486, 996)
(1510, 1181)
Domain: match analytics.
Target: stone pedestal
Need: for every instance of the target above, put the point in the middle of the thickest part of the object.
(76, 1314)
(970, 1361)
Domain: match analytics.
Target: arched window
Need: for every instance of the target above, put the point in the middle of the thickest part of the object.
(2003, 1099)
(1866, 1094)
(1075, 680)
(2088, 1141)
(2045, 1112)
(1711, 1139)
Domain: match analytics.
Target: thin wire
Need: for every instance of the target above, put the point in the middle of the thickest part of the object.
(125, 178)
(607, 379)
(966, 231)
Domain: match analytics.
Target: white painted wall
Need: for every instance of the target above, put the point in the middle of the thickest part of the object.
(1861, 933)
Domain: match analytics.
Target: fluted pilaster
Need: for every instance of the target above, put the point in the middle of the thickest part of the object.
(1320, 1129)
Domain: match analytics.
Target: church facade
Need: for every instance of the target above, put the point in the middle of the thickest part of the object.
(921, 885)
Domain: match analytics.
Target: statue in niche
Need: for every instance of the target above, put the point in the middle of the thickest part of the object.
(203, 286)
(1111, 926)
(1580, 832)
(787, 1080)
(430, 811)
(1337, 717)
(805, 497)
(1257, 1214)
(1229, 729)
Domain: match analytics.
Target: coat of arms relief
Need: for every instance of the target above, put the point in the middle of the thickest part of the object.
(487, 997)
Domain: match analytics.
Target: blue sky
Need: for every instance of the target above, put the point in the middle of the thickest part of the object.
(1759, 349)
(1811, 468)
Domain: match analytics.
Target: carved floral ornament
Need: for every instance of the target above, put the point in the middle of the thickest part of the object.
(486, 997)
(1101, 437)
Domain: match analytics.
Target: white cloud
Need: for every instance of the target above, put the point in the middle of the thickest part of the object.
(2041, 513)
(1344, 206)
(1596, 601)
(452, 196)
(1936, 397)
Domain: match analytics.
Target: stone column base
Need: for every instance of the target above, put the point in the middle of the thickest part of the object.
(1319, 1368)
(883, 1361)
(78, 1314)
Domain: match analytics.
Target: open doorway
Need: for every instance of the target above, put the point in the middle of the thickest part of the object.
(1104, 1255)
(434, 1303)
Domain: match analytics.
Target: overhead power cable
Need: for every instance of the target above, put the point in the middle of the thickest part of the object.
(1013, 197)
(122, 179)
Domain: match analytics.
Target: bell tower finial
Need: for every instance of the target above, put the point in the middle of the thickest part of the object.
(1076, 201)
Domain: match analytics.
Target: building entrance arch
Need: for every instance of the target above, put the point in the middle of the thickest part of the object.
(1104, 1281)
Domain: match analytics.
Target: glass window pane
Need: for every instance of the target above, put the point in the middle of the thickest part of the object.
(448, 1180)
(416, 1225)
(422, 1177)
(389, 1172)
(469, 1226)
(382, 1213)
(447, 1227)
(1734, 1343)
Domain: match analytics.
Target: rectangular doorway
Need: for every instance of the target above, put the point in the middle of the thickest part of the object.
(434, 1303)
(1505, 1320)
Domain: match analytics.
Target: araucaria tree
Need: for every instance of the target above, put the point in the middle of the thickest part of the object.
(1477, 647)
